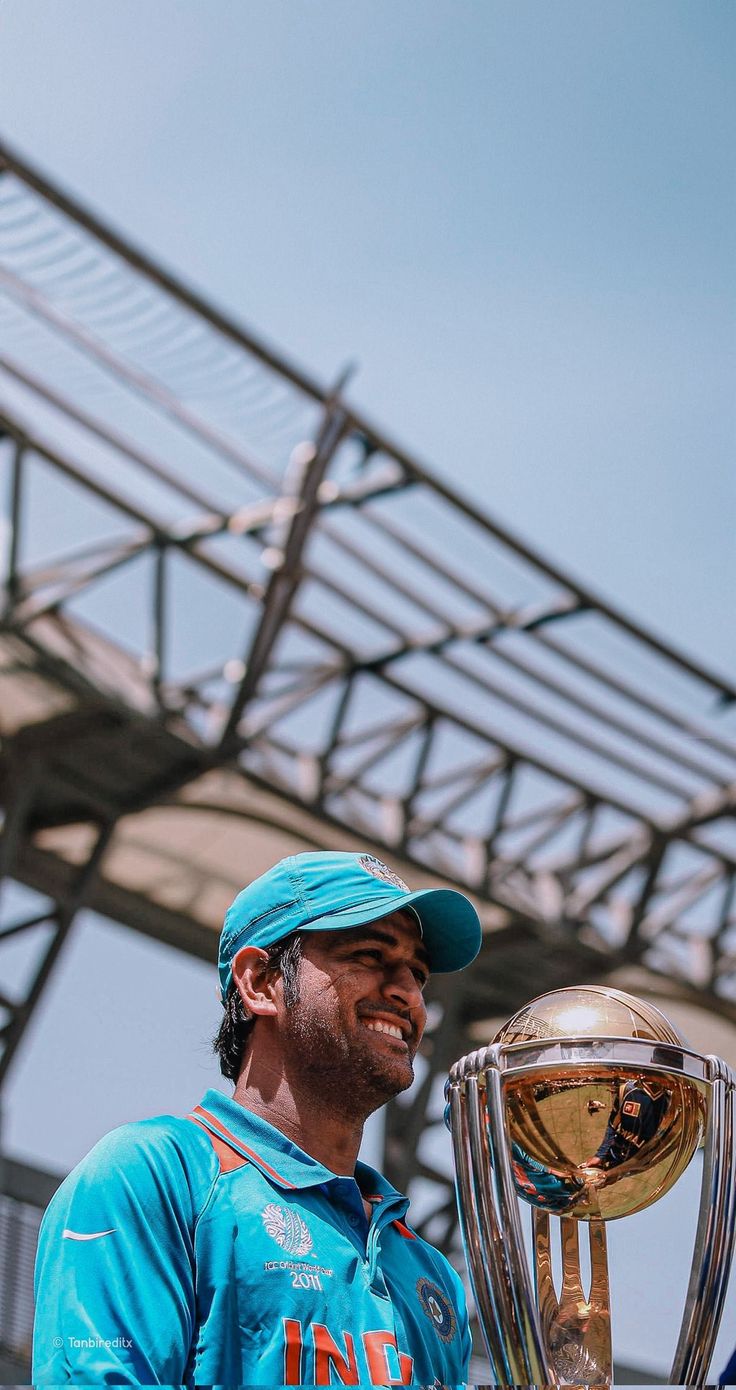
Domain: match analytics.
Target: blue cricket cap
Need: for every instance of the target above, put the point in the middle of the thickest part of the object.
(333, 891)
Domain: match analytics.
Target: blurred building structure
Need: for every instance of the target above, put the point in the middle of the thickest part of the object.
(24, 1194)
(239, 621)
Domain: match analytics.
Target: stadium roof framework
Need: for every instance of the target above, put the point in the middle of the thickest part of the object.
(239, 620)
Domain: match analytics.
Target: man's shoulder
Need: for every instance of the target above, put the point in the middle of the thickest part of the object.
(166, 1153)
(434, 1263)
(164, 1135)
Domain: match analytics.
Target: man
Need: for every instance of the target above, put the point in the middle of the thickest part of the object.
(244, 1243)
(639, 1109)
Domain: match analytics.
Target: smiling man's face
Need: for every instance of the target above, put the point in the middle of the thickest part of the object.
(360, 1015)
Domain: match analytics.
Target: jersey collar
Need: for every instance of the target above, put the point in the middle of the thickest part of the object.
(280, 1160)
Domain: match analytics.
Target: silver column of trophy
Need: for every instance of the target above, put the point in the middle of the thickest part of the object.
(589, 1105)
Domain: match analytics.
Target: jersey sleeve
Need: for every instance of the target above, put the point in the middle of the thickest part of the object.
(465, 1340)
(114, 1283)
(460, 1348)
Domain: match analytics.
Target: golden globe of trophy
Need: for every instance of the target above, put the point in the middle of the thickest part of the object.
(589, 1105)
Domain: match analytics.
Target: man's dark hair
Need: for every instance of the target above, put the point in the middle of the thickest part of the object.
(237, 1024)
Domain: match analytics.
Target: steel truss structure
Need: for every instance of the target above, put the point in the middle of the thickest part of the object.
(239, 620)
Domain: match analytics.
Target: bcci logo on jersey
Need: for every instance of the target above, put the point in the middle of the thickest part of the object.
(438, 1308)
(287, 1229)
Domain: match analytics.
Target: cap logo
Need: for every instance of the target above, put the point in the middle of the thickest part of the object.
(378, 869)
(287, 1229)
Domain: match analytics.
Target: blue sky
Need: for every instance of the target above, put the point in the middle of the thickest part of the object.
(517, 218)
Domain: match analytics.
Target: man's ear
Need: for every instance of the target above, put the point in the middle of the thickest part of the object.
(254, 981)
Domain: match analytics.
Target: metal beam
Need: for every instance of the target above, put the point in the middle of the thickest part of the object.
(301, 497)
(61, 920)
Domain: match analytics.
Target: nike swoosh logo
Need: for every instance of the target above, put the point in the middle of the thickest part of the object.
(92, 1235)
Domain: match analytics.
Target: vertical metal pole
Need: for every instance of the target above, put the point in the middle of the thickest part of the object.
(15, 500)
(64, 919)
(20, 794)
(159, 618)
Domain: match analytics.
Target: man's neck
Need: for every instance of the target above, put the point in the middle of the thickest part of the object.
(331, 1138)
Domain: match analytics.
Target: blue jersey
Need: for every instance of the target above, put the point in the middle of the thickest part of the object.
(728, 1377)
(212, 1250)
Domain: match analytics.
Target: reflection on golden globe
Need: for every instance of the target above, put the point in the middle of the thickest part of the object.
(594, 1132)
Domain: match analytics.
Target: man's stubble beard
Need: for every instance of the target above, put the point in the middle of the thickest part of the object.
(347, 1071)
